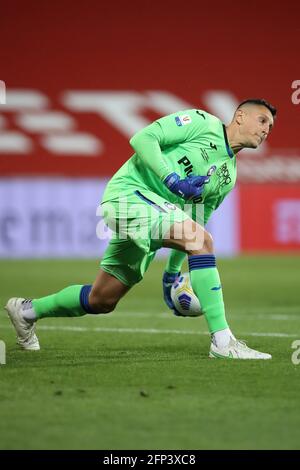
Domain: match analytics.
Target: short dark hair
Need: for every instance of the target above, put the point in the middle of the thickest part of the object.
(261, 102)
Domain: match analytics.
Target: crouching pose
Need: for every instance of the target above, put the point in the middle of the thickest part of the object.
(183, 167)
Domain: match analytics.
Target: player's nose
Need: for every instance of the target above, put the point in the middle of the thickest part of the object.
(267, 129)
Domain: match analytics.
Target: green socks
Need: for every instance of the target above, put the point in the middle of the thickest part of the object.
(73, 300)
(69, 302)
(206, 284)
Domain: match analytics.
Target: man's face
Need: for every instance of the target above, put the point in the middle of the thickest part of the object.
(256, 122)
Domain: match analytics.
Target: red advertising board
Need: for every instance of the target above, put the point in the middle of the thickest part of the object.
(81, 78)
(269, 217)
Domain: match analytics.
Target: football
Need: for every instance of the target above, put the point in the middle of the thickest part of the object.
(184, 298)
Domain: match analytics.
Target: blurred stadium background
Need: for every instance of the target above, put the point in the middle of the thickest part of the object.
(81, 78)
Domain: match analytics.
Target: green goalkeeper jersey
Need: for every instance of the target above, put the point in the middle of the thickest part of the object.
(189, 142)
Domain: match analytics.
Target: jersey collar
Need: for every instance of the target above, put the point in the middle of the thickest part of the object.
(228, 148)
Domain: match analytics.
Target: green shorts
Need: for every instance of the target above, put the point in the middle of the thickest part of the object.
(139, 222)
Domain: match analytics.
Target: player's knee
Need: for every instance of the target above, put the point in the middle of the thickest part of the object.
(101, 304)
(202, 245)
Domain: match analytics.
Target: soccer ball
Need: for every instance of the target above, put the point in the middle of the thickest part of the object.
(184, 298)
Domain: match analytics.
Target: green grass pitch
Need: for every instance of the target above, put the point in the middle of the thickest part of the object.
(140, 378)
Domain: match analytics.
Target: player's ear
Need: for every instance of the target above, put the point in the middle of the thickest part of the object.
(239, 116)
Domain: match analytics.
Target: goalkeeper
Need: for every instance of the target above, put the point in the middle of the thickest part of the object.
(183, 167)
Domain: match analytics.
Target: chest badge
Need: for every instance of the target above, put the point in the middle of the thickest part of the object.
(211, 170)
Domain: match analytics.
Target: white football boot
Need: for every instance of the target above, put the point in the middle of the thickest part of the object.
(236, 350)
(26, 336)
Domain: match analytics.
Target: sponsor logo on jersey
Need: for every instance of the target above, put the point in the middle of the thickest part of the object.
(188, 167)
(183, 120)
(213, 146)
(223, 175)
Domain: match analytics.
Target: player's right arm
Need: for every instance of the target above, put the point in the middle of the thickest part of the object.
(165, 132)
(147, 144)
